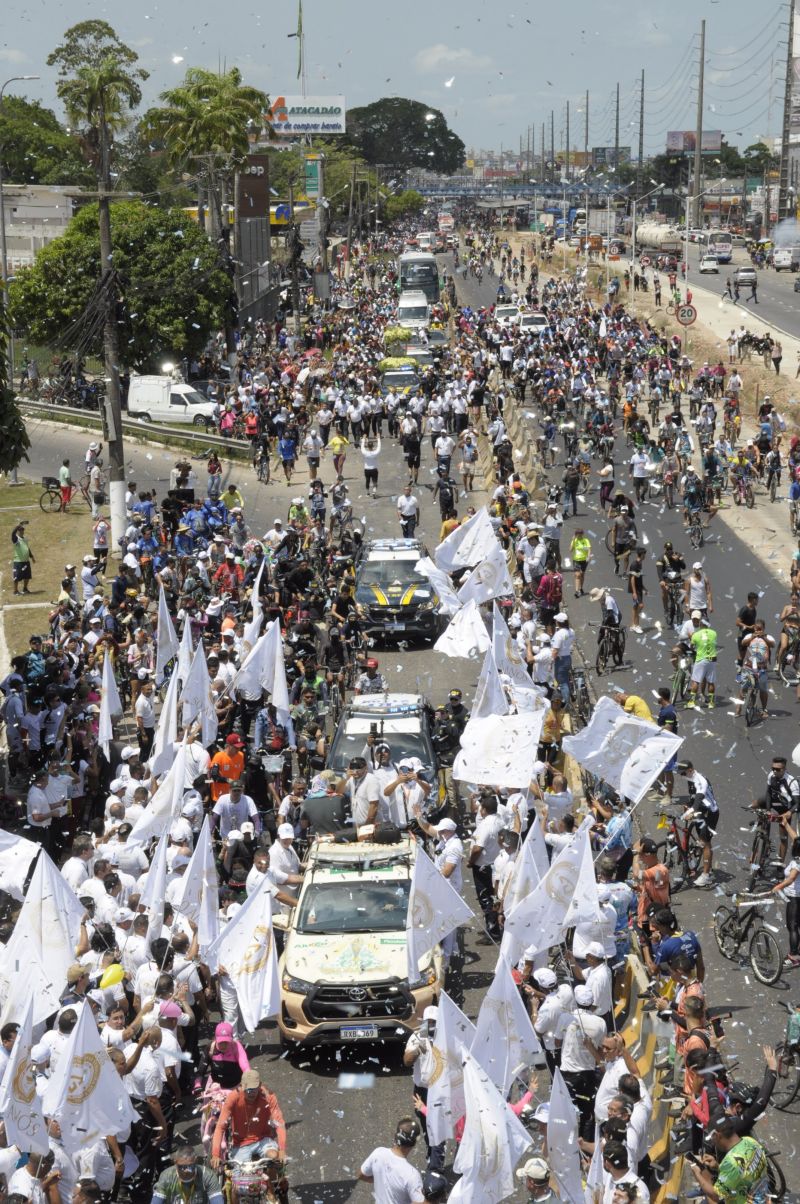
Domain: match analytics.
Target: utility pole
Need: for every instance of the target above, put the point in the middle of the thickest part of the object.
(616, 133)
(586, 134)
(543, 155)
(697, 187)
(784, 181)
(350, 219)
(294, 257)
(553, 143)
(112, 405)
(640, 161)
(566, 148)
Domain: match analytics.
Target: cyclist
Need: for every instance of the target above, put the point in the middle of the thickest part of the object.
(704, 809)
(789, 887)
(794, 500)
(611, 617)
(669, 562)
(692, 492)
(667, 718)
(187, 1180)
(371, 681)
(756, 656)
(773, 465)
(782, 796)
(684, 646)
(254, 1117)
(790, 629)
(697, 593)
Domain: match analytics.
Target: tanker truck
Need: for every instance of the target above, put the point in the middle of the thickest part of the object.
(657, 237)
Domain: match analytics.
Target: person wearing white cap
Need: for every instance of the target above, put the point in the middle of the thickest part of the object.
(449, 861)
(284, 865)
(596, 976)
(562, 642)
(40, 1061)
(697, 593)
(549, 1003)
(539, 654)
(535, 1174)
(581, 1036)
(406, 792)
(602, 930)
(232, 809)
(418, 1054)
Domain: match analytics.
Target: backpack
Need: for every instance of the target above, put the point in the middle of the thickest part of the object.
(553, 589)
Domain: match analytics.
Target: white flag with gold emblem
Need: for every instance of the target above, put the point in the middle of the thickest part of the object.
(85, 1093)
(505, 1043)
(455, 1032)
(20, 1105)
(494, 1141)
(434, 909)
(246, 950)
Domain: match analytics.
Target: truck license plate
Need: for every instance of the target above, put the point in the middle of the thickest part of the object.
(358, 1032)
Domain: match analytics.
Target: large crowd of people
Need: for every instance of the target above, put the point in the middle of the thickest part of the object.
(194, 571)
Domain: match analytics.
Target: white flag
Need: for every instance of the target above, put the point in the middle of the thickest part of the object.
(507, 655)
(499, 750)
(257, 671)
(166, 640)
(489, 579)
(445, 1102)
(541, 918)
(494, 1141)
(530, 867)
(448, 598)
(20, 1105)
(163, 753)
(185, 651)
(199, 895)
(469, 544)
(595, 1176)
(16, 856)
(165, 805)
(84, 1093)
(434, 909)
(155, 886)
(246, 948)
(252, 629)
(196, 697)
(490, 697)
(465, 634)
(505, 1042)
(110, 705)
(41, 948)
(626, 752)
(562, 1142)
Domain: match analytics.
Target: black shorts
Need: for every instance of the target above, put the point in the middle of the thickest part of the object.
(413, 457)
(371, 475)
(706, 825)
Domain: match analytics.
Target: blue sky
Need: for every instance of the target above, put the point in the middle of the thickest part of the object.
(493, 69)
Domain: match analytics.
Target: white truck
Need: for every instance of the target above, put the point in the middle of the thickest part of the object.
(165, 399)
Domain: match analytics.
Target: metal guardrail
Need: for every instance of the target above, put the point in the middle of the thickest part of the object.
(191, 436)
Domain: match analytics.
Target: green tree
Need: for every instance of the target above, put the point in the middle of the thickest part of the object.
(173, 286)
(35, 147)
(99, 85)
(758, 158)
(404, 133)
(15, 442)
(402, 204)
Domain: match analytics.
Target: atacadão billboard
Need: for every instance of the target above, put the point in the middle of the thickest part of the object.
(290, 116)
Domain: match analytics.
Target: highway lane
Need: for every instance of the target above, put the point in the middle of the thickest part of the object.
(778, 303)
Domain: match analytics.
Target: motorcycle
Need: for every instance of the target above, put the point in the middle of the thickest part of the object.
(262, 1181)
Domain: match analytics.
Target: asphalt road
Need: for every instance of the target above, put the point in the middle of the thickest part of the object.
(778, 303)
(331, 1130)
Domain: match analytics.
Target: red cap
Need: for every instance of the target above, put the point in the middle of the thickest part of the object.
(372, 663)
(235, 740)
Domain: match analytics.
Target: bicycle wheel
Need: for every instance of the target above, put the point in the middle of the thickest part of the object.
(603, 653)
(749, 497)
(667, 854)
(787, 665)
(725, 932)
(773, 489)
(679, 687)
(765, 957)
(787, 1077)
(50, 501)
(776, 1178)
(752, 706)
(696, 537)
(694, 854)
(758, 858)
(610, 541)
(619, 647)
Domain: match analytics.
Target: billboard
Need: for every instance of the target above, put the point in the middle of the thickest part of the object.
(683, 142)
(253, 184)
(291, 116)
(603, 156)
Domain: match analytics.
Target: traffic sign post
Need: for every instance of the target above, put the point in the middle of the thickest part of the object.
(645, 261)
(686, 314)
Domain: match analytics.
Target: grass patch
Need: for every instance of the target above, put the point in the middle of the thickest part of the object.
(56, 540)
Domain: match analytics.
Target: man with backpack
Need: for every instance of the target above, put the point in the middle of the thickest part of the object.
(445, 489)
(571, 481)
(549, 596)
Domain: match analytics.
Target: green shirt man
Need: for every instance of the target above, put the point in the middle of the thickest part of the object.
(704, 642)
(742, 1175)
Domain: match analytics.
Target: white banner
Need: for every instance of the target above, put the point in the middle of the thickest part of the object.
(165, 805)
(246, 948)
(505, 1043)
(468, 545)
(494, 1141)
(199, 896)
(465, 635)
(448, 598)
(507, 655)
(445, 1103)
(499, 750)
(84, 1093)
(626, 752)
(110, 706)
(163, 753)
(530, 867)
(16, 855)
(490, 579)
(196, 697)
(563, 1152)
(490, 697)
(434, 909)
(166, 640)
(20, 1105)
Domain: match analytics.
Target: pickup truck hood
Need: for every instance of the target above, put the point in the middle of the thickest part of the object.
(362, 957)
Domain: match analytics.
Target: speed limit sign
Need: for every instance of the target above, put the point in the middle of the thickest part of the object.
(686, 314)
(645, 261)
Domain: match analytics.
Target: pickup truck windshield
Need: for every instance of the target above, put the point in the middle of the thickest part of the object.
(353, 906)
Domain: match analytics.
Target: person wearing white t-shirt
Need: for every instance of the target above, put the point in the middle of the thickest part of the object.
(387, 1167)
(581, 1036)
(484, 851)
(408, 512)
(405, 793)
(284, 864)
(370, 448)
(790, 887)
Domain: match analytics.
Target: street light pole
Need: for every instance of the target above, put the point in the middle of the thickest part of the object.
(3, 250)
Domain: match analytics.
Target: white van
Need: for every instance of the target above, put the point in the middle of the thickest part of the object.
(163, 399)
(413, 311)
(425, 240)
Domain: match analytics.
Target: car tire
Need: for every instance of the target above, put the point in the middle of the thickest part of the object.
(201, 421)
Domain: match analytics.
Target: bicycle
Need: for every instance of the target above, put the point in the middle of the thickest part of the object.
(743, 493)
(760, 853)
(50, 501)
(751, 694)
(682, 849)
(673, 607)
(744, 925)
(696, 534)
(682, 676)
(787, 1075)
(794, 518)
(787, 666)
(580, 704)
(610, 646)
